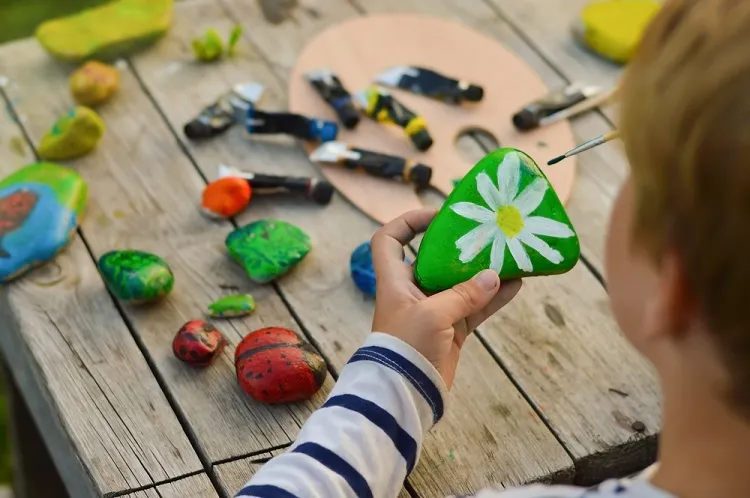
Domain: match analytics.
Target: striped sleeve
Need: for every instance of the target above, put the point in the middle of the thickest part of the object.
(367, 437)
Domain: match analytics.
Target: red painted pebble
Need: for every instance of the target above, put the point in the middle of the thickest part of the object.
(198, 343)
(274, 365)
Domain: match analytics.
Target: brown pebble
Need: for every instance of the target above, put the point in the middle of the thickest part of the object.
(638, 426)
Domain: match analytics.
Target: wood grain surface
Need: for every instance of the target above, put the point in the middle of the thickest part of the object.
(81, 373)
(196, 486)
(321, 292)
(144, 194)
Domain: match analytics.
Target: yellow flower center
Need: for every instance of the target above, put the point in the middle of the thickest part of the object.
(509, 220)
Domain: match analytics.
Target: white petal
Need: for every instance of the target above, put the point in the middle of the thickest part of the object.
(497, 255)
(488, 191)
(540, 246)
(519, 255)
(530, 198)
(474, 212)
(538, 225)
(508, 175)
(473, 242)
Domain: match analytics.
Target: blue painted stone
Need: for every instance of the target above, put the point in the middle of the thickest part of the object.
(362, 270)
(40, 208)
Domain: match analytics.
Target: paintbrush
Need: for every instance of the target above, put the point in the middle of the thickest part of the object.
(586, 146)
(586, 105)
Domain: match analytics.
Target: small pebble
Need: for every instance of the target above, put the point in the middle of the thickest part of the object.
(638, 426)
(198, 343)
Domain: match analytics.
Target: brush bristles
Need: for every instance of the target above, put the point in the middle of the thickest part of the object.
(555, 160)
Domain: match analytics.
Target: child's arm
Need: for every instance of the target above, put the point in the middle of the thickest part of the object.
(366, 438)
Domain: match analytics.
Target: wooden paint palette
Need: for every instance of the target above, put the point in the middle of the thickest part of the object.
(359, 49)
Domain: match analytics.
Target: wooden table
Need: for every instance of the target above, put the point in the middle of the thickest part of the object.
(548, 390)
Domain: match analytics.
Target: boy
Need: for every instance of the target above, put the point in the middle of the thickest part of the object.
(678, 276)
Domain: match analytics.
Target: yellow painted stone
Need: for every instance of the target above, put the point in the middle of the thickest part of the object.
(73, 135)
(94, 83)
(613, 28)
(116, 29)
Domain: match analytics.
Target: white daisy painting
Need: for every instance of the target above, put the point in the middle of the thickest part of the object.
(503, 215)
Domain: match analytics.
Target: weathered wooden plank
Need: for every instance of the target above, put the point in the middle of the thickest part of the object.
(320, 290)
(581, 410)
(196, 486)
(546, 26)
(106, 421)
(144, 194)
(233, 475)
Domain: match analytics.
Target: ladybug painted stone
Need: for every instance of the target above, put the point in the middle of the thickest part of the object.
(198, 343)
(274, 365)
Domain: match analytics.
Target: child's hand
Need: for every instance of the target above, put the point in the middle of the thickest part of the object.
(436, 326)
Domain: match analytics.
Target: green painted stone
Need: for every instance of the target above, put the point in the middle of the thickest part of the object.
(232, 306)
(73, 135)
(136, 276)
(115, 29)
(267, 249)
(41, 206)
(503, 215)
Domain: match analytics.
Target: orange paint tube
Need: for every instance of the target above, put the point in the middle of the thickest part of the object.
(226, 197)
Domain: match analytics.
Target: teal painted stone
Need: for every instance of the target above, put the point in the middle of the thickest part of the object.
(267, 249)
(40, 208)
(503, 215)
(232, 306)
(136, 276)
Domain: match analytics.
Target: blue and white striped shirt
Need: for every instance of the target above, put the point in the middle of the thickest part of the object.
(366, 439)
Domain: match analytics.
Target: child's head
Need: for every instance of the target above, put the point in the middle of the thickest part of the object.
(679, 246)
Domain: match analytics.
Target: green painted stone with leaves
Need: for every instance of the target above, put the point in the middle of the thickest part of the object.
(267, 249)
(503, 215)
(136, 276)
(232, 306)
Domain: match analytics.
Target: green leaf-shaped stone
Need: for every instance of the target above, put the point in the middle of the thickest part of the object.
(268, 249)
(232, 306)
(503, 215)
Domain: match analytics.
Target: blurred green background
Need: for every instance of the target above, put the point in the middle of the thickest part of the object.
(19, 18)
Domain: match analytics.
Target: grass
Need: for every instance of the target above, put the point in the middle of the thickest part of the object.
(19, 18)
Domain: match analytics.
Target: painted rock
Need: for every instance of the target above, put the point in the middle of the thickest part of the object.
(73, 135)
(198, 343)
(40, 208)
(274, 365)
(613, 28)
(267, 249)
(503, 215)
(136, 276)
(94, 83)
(362, 270)
(115, 29)
(232, 306)
(209, 47)
(226, 197)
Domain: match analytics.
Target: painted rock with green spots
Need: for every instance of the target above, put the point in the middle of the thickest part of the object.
(73, 135)
(267, 249)
(41, 206)
(136, 276)
(115, 29)
(232, 306)
(504, 215)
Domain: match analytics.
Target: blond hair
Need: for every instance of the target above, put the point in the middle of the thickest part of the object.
(685, 124)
